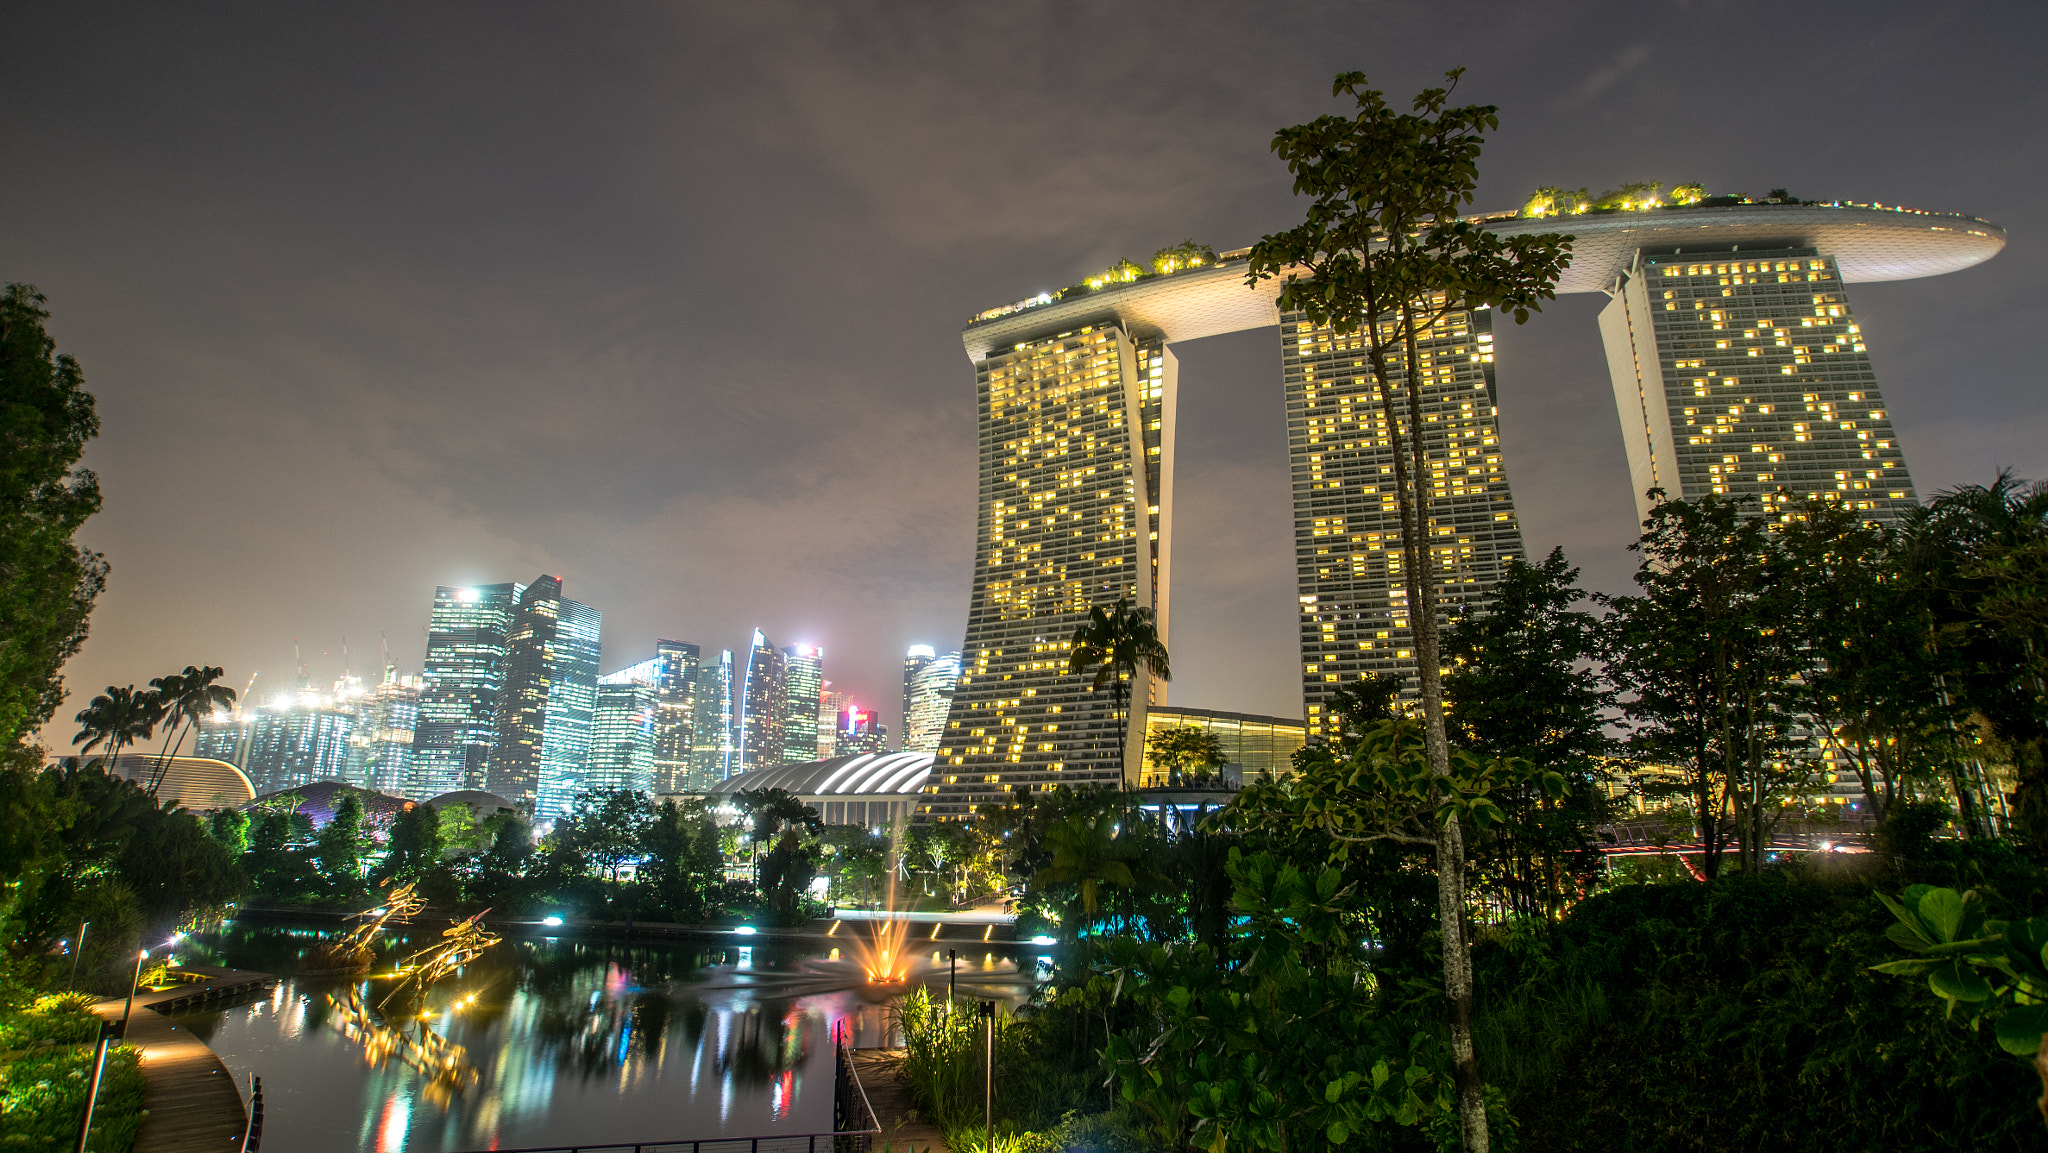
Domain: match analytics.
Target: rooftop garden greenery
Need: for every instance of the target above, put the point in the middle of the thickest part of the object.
(1643, 196)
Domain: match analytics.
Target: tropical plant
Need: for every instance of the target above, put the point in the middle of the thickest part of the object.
(1993, 970)
(1116, 642)
(120, 716)
(1384, 254)
(186, 699)
(1185, 753)
(1088, 854)
(47, 583)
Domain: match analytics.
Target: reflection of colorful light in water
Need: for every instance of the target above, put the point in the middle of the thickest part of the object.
(391, 1130)
(784, 1092)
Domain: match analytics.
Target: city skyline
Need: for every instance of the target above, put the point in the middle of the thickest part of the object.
(381, 412)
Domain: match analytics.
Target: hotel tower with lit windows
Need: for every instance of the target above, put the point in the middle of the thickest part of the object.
(1737, 366)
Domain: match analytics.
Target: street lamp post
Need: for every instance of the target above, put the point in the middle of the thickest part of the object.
(99, 1062)
(988, 1085)
(76, 952)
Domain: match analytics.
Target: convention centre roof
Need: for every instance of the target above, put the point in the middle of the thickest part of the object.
(858, 776)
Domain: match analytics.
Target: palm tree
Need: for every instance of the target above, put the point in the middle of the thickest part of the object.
(1087, 853)
(1115, 642)
(119, 716)
(187, 698)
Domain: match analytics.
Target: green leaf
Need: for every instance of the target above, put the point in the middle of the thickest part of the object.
(1912, 968)
(2019, 1031)
(1957, 983)
(1944, 911)
(1339, 1132)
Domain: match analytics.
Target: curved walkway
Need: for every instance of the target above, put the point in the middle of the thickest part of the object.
(193, 1103)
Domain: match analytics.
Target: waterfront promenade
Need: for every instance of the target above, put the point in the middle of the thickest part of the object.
(193, 1104)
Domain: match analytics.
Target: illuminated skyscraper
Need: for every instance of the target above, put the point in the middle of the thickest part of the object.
(672, 673)
(858, 730)
(388, 719)
(1347, 524)
(463, 673)
(712, 742)
(928, 684)
(550, 696)
(1728, 332)
(762, 708)
(1076, 510)
(623, 735)
(1742, 371)
(831, 703)
(803, 686)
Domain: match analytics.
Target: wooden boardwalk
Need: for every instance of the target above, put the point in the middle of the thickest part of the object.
(903, 1126)
(193, 1102)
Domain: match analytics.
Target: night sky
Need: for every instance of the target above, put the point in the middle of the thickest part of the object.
(666, 298)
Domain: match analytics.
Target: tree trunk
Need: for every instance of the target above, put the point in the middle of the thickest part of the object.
(1450, 852)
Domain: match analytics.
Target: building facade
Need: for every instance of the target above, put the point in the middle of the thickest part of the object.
(1076, 397)
(928, 684)
(549, 700)
(1076, 455)
(1254, 747)
(1347, 525)
(762, 708)
(622, 736)
(858, 730)
(675, 720)
(388, 720)
(462, 676)
(712, 742)
(803, 689)
(1742, 372)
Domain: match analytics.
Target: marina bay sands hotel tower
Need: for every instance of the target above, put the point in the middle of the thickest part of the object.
(1738, 368)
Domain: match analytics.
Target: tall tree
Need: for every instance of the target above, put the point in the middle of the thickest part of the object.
(47, 583)
(1525, 682)
(1980, 552)
(117, 717)
(683, 862)
(1383, 254)
(1089, 854)
(186, 699)
(1185, 753)
(1116, 642)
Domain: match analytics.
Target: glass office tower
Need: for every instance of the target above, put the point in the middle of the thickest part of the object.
(763, 707)
(928, 684)
(622, 736)
(1347, 525)
(711, 747)
(463, 674)
(1076, 455)
(1741, 372)
(550, 696)
(803, 687)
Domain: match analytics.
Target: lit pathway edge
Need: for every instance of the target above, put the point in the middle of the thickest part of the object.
(191, 1099)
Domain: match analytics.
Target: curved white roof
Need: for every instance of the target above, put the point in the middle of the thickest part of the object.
(1868, 243)
(863, 775)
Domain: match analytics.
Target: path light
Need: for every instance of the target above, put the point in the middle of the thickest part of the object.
(745, 930)
(551, 922)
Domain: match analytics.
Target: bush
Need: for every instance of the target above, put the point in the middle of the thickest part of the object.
(42, 1098)
(1737, 1015)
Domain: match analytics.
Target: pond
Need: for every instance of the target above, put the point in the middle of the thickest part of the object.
(552, 1041)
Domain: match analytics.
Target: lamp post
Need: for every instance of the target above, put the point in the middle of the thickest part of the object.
(952, 977)
(99, 1061)
(988, 1085)
(76, 952)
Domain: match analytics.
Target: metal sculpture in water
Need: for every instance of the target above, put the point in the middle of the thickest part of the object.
(352, 952)
(460, 943)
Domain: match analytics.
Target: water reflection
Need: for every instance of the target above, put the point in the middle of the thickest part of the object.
(554, 1042)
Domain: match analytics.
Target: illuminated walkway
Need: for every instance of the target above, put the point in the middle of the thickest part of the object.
(193, 1103)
